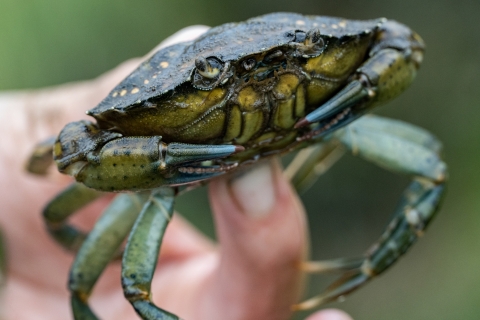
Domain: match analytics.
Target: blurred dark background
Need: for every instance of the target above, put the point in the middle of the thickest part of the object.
(44, 43)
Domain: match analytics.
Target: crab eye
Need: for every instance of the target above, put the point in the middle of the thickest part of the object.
(312, 45)
(300, 36)
(313, 38)
(207, 73)
(248, 64)
(208, 69)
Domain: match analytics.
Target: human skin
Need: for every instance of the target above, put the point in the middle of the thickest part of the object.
(251, 274)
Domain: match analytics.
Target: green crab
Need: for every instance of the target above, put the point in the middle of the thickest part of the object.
(241, 93)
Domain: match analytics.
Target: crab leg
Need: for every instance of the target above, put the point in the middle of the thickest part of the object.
(399, 152)
(329, 266)
(310, 163)
(143, 246)
(61, 207)
(100, 247)
(409, 151)
(353, 93)
(181, 153)
(399, 129)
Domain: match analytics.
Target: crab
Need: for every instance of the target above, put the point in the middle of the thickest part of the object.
(241, 93)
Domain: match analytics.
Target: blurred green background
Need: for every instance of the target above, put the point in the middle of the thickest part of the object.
(50, 42)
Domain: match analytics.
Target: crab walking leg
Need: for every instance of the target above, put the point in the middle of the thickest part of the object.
(331, 266)
(400, 129)
(393, 150)
(417, 207)
(143, 246)
(100, 247)
(61, 207)
(310, 163)
(409, 198)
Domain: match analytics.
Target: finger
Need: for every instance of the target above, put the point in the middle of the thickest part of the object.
(329, 314)
(34, 116)
(262, 232)
(37, 115)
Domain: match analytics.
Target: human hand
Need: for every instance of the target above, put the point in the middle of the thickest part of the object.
(260, 224)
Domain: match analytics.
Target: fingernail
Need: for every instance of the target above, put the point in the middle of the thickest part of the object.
(254, 191)
(329, 314)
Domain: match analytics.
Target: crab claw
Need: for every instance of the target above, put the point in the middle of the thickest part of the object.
(182, 153)
(352, 94)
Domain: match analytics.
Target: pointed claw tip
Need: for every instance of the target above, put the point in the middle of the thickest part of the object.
(298, 307)
(239, 149)
(311, 266)
(306, 305)
(301, 123)
(295, 308)
(304, 266)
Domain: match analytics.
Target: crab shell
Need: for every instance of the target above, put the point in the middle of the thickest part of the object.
(161, 97)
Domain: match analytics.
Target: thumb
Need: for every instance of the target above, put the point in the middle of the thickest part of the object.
(262, 232)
